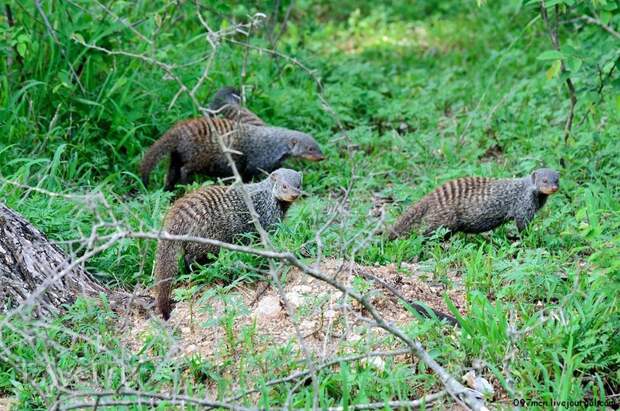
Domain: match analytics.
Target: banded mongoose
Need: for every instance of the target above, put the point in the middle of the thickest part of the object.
(477, 204)
(227, 103)
(218, 213)
(194, 148)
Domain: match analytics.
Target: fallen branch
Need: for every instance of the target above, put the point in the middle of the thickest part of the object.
(420, 309)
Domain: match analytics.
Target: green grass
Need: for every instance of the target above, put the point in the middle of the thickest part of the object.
(422, 92)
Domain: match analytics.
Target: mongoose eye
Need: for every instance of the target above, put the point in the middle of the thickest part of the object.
(545, 180)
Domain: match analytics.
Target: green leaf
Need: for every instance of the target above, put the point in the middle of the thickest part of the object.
(88, 102)
(574, 64)
(21, 49)
(618, 103)
(554, 70)
(78, 37)
(605, 17)
(548, 3)
(550, 55)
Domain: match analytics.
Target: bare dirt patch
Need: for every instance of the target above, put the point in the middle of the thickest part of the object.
(328, 322)
(6, 403)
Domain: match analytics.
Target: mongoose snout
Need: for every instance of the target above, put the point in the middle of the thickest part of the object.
(287, 185)
(314, 157)
(305, 146)
(547, 180)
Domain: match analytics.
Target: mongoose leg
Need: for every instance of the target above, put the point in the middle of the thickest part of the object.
(186, 175)
(174, 171)
(198, 253)
(524, 216)
(188, 260)
(522, 223)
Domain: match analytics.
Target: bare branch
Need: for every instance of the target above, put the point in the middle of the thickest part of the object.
(422, 402)
(553, 34)
(604, 26)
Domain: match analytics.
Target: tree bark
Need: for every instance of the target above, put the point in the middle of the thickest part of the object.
(28, 260)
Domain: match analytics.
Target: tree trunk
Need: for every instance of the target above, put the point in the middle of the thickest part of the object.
(28, 261)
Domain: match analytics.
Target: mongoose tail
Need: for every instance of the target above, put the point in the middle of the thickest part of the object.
(166, 268)
(227, 103)
(159, 149)
(412, 216)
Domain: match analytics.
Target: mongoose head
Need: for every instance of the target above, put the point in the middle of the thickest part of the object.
(304, 146)
(225, 95)
(546, 180)
(286, 184)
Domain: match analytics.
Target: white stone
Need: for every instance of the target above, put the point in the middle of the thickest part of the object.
(269, 307)
(331, 314)
(302, 288)
(355, 337)
(295, 299)
(307, 325)
(335, 296)
(479, 384)
(377, 362)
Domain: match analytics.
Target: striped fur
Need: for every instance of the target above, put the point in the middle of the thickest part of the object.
(227, 103)
(194, 148)
(478, 204)
(218, 213)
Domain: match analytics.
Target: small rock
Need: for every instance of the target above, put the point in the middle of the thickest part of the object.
(191, 348)
(355, 337)
(269, 307)
(477, 363)
(376, 362)
(478, 383)
(302, 288)
(307, 325)
(295, 299)
(331, 314)
(335, 296)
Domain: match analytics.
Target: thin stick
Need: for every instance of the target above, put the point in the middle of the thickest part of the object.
(553, 34)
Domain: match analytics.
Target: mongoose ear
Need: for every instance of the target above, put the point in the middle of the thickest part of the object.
(533, 176)
(293, 142)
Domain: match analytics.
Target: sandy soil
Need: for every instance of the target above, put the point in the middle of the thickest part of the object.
(327, 322)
